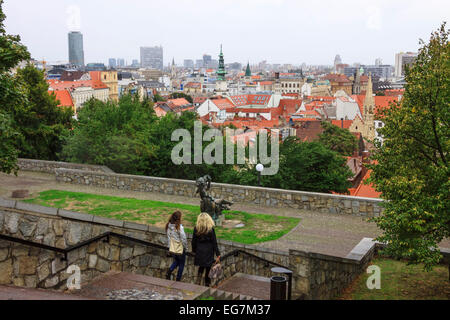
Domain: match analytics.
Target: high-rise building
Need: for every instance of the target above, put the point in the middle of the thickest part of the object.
(337, 60)
(188, 64)
(76, 51)
(207, 61)
(402, 59)
(135, 63)
(199, 64)
(152, 57)
(120, 62)
(112, 63)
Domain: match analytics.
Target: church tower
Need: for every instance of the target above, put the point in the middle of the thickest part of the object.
(221, 71)
(356, 89)
(173, 71)
(221, 83)
(368, 112)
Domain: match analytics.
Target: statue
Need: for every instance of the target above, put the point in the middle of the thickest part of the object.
(208, 204)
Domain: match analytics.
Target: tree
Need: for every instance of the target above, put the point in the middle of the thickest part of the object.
(304, 166)
(8, 151)
(310, 166)
(412, 170)
(114, 134)
(157, 97)
(177, 95)
(12, 95)
(41, 122)
(338, 139)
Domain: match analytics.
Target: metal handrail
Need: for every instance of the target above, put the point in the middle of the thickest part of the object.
(65, 251)
(238, 251)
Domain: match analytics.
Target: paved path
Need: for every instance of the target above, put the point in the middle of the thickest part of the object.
(118, 283)
(16, 293)
(317, 232)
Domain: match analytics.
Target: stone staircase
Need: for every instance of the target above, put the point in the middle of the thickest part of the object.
(115, 285)
(218, 294)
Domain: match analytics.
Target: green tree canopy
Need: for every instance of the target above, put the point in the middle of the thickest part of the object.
(12, 95)
(338, 139)
(41, 122)
(115, 134)
(8, 150)
(413, 170)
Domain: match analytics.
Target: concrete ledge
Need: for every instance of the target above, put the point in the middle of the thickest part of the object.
(36, 208)
(365, 246)
(51, 166)
(75, 215)
(135, 226)
(6, 203)
(108, 221)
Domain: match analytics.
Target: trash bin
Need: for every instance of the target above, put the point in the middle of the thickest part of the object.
(278, 288)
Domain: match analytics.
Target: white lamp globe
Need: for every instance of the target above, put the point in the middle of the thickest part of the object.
(259, 167)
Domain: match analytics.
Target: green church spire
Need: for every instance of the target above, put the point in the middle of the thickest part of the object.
(248, 72)
(221, 71)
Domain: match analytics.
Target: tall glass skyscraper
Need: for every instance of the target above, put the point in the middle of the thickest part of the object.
(76, 52)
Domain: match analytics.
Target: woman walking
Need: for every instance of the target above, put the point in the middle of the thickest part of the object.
(204, 245)
(176, 235)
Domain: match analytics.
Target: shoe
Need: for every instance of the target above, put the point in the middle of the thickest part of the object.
(168, 274)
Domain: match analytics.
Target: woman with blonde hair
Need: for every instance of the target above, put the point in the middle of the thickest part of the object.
(204, 245)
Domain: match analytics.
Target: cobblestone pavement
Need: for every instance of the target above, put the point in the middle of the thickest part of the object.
(129, 286)
(145, 294)
(317, 232)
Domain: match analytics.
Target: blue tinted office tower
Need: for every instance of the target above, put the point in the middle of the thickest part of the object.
(76, 52)
(112, 63)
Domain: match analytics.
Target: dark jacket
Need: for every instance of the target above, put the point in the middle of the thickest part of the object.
(205, 246)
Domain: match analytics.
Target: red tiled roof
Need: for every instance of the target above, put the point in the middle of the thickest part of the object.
(195, 85)
(67, 85)
(249, 110)
(289, 106)
(65, 100)
(266, 83)
(304, 119)
(342, 123)
(336, 78)
(367, 191)
(199, 99)
(223, 103)
(249, 99)
(179, 102)
(394, 92)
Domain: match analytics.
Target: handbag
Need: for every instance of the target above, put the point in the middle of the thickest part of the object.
(175, 246)
(216, 271)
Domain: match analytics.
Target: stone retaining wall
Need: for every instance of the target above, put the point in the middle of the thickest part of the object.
(278, 198)
(50, 166)
(315, 276)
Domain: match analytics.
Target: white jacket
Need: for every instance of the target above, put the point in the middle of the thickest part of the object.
(173, 233)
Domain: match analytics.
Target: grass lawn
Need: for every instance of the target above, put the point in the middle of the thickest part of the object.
(400, 281)
(258, 227)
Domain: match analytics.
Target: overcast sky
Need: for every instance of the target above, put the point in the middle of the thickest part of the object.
(279, 31)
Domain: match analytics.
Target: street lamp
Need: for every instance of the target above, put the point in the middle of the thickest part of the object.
(259, 168)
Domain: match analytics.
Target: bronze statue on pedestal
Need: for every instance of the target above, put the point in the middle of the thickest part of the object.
(208, 204)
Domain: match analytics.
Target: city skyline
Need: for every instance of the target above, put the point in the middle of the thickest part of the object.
(278, 31)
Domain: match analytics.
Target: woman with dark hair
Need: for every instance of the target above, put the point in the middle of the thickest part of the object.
(175, 233)
(204, 245)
